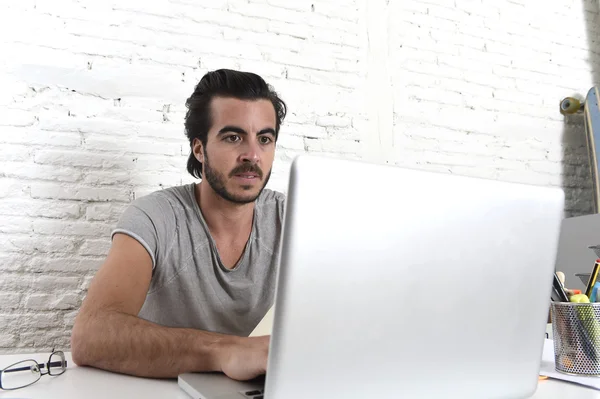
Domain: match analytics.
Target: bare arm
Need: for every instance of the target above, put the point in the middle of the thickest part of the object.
(108, 334)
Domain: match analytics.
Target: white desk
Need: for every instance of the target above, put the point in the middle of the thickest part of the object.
(84, 382)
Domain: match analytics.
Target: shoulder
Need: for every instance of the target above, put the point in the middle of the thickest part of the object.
(271, 198)
(172, 196)
(166, 202)
(271, 203)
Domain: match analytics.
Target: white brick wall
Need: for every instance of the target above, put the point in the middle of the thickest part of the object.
(92, 104)
(476, 86)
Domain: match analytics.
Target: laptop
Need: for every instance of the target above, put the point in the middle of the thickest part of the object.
(405, 283)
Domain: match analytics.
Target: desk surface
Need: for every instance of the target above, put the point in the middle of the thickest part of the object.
(85, 382)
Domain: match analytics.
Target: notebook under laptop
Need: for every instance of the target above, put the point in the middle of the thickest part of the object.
(404, 283)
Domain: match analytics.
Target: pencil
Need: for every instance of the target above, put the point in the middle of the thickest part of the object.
(592, 280)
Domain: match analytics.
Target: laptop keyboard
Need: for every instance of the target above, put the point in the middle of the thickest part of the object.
(255, 394)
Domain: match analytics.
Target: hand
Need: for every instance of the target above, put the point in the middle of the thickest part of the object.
(246, 358)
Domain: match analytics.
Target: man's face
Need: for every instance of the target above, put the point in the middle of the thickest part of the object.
(240, 148)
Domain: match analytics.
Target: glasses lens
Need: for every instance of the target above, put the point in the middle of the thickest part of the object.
(57, 363)
(20, 375)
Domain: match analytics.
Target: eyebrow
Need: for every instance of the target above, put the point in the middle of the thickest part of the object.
(239, 130)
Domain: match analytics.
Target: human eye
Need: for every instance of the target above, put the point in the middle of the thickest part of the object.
(232, 138)
(265, 139)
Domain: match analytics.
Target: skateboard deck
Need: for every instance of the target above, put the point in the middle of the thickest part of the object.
(591, 113)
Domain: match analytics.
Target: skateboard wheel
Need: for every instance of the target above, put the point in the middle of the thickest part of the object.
(569, 105)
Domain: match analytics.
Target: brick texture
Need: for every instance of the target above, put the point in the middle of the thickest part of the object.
(92, 105)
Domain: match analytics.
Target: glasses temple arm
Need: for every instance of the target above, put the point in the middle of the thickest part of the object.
(42, 366)
(20, 369)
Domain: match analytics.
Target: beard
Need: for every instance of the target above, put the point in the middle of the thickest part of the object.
(216, 181)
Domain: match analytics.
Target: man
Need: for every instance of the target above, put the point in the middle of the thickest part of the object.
(191, 270)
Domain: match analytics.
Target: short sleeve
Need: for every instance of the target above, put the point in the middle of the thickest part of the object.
(138, 224)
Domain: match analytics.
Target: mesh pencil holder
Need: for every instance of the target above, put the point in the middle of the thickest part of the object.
(576, 330)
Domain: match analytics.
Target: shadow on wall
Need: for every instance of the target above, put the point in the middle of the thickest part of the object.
(576, 164)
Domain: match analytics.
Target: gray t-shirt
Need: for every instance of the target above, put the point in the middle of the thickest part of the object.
(190, 287)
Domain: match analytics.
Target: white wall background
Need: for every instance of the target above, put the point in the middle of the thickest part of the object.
(92, 102)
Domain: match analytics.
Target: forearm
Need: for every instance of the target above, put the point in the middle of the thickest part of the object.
(124, 343)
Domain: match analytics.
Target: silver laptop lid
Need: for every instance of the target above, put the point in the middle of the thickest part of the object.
(404, 283)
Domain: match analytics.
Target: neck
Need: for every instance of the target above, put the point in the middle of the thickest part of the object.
(224, 218)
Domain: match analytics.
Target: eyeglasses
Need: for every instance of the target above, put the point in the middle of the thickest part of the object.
(27, 372)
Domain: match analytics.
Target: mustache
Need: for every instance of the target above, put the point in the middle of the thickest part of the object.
(246, 168)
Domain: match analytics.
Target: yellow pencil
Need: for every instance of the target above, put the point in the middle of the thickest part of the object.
(592, 280)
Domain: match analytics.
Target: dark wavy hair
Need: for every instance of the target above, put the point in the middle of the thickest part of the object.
(224, 83)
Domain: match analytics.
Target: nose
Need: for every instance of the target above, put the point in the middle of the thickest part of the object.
(250, 152)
